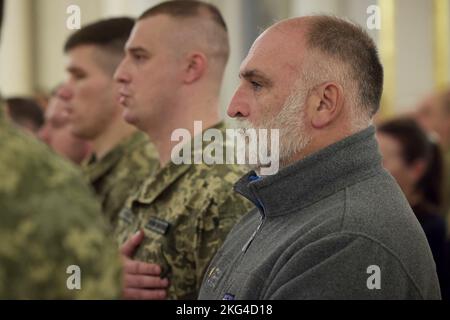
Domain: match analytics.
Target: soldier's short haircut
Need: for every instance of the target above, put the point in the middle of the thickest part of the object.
(185, 9)
(109, 35)
(351, 45)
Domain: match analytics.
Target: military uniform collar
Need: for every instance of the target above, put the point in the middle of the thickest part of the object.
(315, 177)
(95, 168)
(167, 175)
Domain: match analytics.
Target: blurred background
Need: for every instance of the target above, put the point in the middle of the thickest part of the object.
(413, 40)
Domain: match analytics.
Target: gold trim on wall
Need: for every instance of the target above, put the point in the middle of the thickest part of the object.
(388, 57)
(441, 40)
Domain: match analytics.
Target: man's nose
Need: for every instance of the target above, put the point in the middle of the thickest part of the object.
(239, 106)
(64, 92)
(121, 75)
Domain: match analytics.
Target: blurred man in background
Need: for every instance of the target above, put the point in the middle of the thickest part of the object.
(57, 134)
(121, 156)
(26, 113)
(433, 114)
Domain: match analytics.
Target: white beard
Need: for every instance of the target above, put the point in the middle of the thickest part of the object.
(290, 123)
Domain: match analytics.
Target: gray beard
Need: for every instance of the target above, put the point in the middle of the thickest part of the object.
(290, 123)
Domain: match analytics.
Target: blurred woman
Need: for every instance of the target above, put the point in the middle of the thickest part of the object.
(415, 161)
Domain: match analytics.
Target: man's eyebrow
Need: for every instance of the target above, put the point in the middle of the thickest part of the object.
(136, 50)
(253, 73)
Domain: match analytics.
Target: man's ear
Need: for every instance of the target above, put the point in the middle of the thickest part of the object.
(327, 103)
(195, 67)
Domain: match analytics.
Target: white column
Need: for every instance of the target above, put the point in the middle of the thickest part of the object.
(16, 75)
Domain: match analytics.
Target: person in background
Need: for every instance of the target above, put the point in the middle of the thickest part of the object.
(433, 115)
(57, 135)
(415, 161)
(26, 113)
(122, 157)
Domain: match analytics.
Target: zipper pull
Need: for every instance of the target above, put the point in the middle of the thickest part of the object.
(247, 244)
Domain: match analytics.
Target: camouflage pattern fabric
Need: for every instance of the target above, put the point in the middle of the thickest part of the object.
(49, 220)
(120, 172)
(186, 211)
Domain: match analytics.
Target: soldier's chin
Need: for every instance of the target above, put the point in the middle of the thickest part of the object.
(75, 130)
(128, 116)
(81, 133)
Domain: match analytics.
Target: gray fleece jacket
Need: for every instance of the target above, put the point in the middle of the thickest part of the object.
(332, 226)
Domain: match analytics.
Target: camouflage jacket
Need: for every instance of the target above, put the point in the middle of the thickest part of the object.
(186, 211)
(120, 172)
(49, 220)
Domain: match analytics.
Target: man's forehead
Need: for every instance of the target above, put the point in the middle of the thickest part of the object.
(149, 30)
(81, 55)
(271, 53)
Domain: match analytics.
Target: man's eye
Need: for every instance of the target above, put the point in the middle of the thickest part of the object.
(78, 76)
(138, 57)
(256, 86)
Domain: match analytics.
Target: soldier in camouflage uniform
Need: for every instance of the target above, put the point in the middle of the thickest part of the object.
(122, 157)
(120, 172)
(49, 221)
(184, 210)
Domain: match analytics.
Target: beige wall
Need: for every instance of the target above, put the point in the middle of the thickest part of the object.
(414, 41)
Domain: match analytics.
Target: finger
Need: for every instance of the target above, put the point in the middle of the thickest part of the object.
(142, 294)
(141, 268)
(149, 282)
(132, 243)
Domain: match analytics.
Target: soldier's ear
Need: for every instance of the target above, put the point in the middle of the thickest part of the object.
(195, 67)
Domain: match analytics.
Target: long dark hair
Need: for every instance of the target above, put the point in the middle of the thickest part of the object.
(417, 145)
